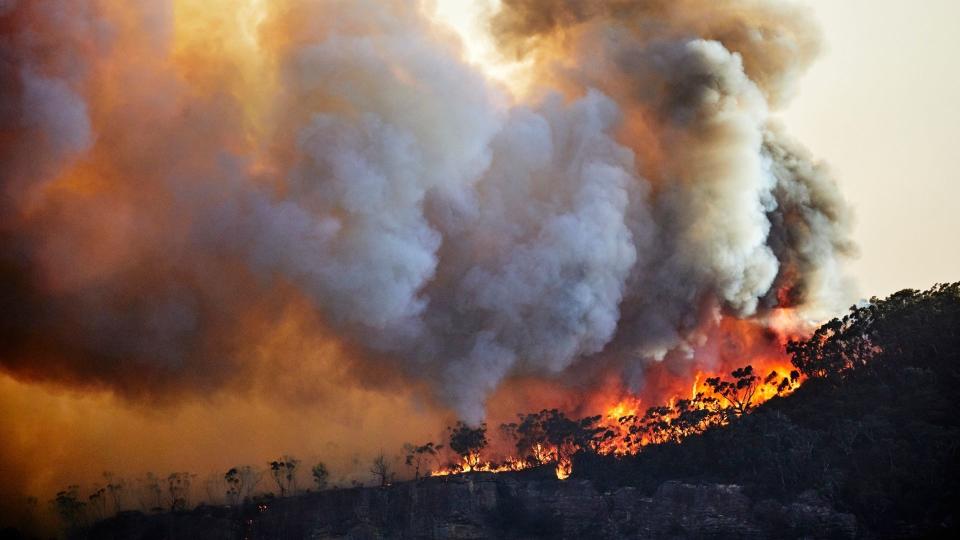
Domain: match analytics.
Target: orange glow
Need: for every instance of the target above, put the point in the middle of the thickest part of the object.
(564, 468)
(630, 421)
(473, 464)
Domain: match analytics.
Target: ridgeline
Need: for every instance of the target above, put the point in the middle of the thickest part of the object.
(867, 447)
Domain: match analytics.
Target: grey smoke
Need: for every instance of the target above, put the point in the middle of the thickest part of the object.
(428, 219)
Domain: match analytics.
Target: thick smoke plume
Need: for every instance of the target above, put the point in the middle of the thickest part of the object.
(175, 175)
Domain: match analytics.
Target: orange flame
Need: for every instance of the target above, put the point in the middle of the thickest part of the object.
(625, 415)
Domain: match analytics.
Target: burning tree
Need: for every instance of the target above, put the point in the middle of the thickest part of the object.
(695, 415)
(739, 392)
(417, 455)
(549, 436)
(782, 385)
(668, 423)
(468, 442)
(656, 424)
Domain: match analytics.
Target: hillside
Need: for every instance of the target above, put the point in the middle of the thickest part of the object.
(507, 505)
(875, 431)
(867, 447)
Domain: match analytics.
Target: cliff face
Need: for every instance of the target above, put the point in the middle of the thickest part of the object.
(501, 506)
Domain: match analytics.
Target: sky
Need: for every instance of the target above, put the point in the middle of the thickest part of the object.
(882, 108)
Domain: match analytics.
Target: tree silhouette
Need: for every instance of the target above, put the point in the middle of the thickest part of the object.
(320, 475)
(695, 415)
(284, 473)
(739, 392)
(418, 455)
(785, 384)
(910, 324)
(115, 489)
(381, 470)
(178, 490)
(549, 435)
(69, 507)
(97, 503)
(234, 485)
(468, 442)
(249, 479)
(661, 424)
(150, 493)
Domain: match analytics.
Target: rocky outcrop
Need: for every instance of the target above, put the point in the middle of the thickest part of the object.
(479, 506)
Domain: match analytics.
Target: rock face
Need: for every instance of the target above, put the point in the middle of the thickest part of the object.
(478, 506)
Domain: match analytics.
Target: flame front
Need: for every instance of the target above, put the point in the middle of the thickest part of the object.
(631, 422)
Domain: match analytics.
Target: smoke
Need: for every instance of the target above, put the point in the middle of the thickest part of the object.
(743, 221)
(176, 175)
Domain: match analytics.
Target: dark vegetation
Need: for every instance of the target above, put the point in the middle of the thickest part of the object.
(468, 442)
(550, 436)
(874, 431)
(419, 457)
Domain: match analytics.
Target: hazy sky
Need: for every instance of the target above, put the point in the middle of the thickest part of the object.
(881, 107)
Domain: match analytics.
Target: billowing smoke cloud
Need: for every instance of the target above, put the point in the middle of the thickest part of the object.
(174, 175)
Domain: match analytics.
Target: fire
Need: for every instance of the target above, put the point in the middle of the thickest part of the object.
(626, 407)
(564, 468)
(622, 426)
(751, 368)
(473, 464)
